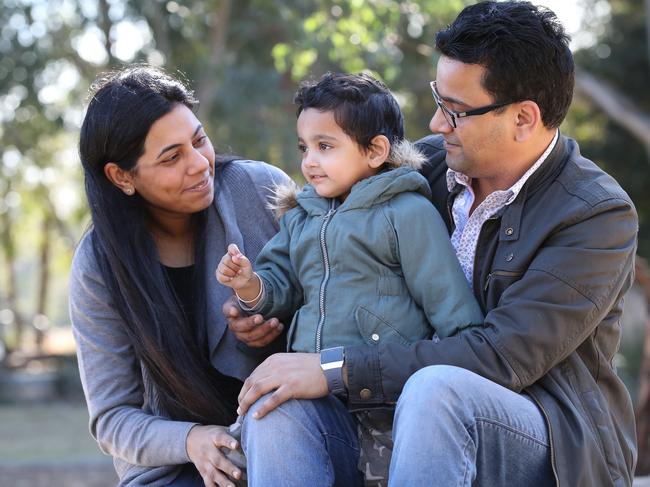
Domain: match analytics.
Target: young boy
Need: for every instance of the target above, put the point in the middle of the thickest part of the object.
(354, 257)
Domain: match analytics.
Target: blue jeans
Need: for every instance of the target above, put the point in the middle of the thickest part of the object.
(302, 443)
(455, 428)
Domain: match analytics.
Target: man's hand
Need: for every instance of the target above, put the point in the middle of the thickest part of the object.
(252, 330)
(203, 448)
(290, 375)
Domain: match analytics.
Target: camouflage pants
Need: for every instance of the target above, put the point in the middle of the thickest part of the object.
(375, 430)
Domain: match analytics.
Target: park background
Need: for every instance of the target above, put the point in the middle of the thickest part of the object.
(244, 59)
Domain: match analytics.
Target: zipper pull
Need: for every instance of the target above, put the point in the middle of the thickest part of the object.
(487, 282)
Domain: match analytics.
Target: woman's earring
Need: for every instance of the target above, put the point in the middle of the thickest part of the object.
(129, 191)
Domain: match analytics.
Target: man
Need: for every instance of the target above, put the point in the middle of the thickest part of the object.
(547, 242)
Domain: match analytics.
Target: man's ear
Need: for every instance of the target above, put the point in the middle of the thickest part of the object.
(121, 178)
(378, 151)
(529, 119)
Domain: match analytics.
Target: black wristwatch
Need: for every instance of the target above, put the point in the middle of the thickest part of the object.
(331, 361)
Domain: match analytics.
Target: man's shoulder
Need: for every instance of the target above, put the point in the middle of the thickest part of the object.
(432, 146)
(584, 179)
(432, 143)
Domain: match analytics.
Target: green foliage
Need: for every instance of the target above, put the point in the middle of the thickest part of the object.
(245, 59)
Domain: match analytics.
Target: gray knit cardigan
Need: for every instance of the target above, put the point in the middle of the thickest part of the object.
(147, 448)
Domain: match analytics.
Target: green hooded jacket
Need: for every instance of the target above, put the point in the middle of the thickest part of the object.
(378, 267)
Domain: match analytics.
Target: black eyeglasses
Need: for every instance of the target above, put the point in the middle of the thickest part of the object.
(451, 115)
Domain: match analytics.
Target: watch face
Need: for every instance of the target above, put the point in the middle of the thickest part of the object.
(332, 355)
(331, 360)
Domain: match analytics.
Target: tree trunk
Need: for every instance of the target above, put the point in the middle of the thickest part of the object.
(9, 249)
(647, 28)
(642, 410)
(207, 85)
(105, 24)
(155, 15)
(40, 319)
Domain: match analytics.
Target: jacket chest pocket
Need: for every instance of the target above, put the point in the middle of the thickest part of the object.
(496, 283)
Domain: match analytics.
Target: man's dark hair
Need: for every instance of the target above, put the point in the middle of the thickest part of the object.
(524, 50)
(363, 107)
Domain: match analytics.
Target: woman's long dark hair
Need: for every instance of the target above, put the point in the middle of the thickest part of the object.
(172, 348)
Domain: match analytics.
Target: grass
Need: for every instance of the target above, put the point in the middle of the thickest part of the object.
(53, 432)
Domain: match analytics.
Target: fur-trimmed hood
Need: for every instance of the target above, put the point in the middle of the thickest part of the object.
(399, 174)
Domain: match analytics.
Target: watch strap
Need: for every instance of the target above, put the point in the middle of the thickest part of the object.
(331, 361)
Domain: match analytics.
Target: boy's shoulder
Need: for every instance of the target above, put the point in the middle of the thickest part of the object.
(409, 201)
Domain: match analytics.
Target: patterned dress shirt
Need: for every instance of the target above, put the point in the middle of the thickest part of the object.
(468, 227)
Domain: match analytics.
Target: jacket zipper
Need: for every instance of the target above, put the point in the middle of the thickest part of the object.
(499, 273)
(326, 276)
(475, 277)
(550, 435)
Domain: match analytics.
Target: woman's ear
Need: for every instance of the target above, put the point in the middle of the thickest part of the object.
(529, 119)
(122, 179)
(378, 151)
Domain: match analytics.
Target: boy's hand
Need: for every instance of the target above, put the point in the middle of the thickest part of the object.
(234, 270)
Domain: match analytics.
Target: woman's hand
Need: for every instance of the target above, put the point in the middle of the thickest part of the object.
(203, 447)
(252, 330)
(290, 375)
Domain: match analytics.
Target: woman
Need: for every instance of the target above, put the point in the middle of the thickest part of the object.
(160, 370)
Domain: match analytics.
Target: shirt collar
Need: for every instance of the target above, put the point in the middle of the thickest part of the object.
(454, 177)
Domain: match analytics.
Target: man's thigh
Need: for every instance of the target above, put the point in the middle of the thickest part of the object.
(454, 427)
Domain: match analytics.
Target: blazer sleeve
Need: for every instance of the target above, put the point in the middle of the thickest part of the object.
(430, 267)
(574, 281)
(111, 376)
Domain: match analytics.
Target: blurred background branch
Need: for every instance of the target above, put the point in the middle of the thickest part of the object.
(618, 107)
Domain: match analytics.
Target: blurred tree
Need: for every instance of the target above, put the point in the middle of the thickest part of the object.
(244, 60)
(613, 77)
(612, 119)
(36, 84)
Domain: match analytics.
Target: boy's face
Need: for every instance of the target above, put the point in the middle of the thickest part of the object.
(332, 162)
